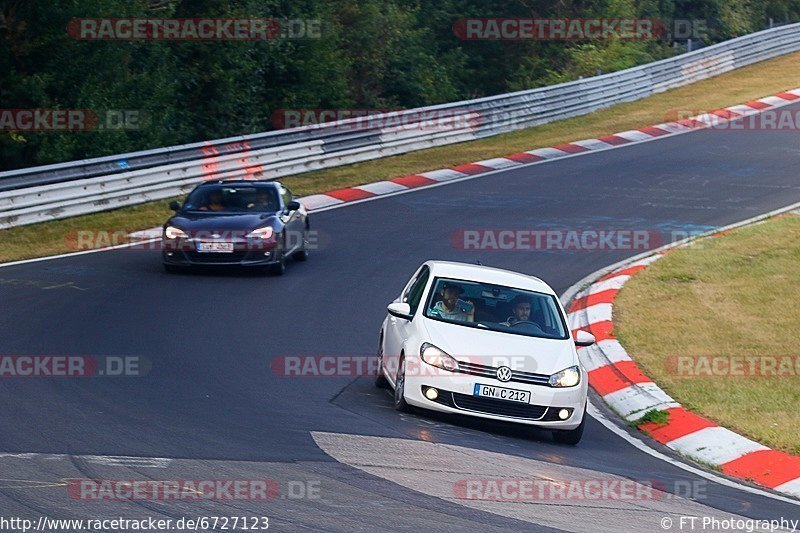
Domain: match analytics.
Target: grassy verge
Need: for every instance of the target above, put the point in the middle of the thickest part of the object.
(728, 89)
(59, 236)
(736, 295)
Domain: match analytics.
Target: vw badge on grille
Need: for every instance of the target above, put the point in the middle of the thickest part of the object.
(504, 373)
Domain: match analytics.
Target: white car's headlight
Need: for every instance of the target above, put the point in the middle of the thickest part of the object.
(261, 233)
(569, 377)
(172, 233)
(438, 358)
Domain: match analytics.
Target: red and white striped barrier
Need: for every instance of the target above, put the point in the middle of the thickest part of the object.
(541, 155)
(629, 392)
(715, 118)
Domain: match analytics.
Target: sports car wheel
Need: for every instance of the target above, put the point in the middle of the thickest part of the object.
(302, 253)
(278, 268)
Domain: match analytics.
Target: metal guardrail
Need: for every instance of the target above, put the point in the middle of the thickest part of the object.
(56, 191)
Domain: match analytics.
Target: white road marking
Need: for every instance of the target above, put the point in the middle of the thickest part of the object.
(444, 471)
(105, 460)
(119, 460)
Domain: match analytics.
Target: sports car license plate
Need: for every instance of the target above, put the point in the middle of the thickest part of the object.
(500, 393)
(216, 247)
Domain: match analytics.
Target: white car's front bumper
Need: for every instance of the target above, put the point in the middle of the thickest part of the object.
(456, 396)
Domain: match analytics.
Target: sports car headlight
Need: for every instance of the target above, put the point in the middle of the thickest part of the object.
(569, 377)
(261, 233)
(436, 357)
(172, 233)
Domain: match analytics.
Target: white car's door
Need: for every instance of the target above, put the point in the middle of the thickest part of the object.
(398, 330)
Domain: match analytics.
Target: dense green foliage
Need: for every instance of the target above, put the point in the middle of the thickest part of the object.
(372, 54)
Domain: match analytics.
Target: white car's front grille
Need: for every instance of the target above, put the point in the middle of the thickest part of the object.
(491, 372)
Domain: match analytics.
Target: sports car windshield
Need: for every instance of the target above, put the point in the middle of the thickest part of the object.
(228, 199)
(496, 308)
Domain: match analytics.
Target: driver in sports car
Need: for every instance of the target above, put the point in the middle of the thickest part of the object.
(262, 202)
(521, 307)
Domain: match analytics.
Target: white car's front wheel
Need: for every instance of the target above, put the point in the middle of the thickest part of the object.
(380, 379)
(570, 436)
(400, 387)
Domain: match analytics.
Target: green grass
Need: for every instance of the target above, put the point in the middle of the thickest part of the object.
(736, 87)
(654, 416)
(58, 236)
(736, 295)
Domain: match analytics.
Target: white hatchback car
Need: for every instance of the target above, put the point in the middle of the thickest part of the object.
(484, 342)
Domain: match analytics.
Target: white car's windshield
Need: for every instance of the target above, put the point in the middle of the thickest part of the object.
(496, 308)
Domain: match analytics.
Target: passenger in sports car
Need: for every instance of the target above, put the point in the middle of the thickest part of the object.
(521, 307)
(450, 307)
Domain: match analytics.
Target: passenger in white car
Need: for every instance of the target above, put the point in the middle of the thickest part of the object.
(450, 307)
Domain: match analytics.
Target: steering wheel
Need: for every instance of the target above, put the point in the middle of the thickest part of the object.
(529, 323)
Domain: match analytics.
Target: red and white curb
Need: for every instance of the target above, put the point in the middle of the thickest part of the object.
(668, 129)
(541, 155)
(629, 392)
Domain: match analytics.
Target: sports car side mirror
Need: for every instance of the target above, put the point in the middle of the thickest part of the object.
(400, 310)
(175, 205)
(584, 338)
(294, 205)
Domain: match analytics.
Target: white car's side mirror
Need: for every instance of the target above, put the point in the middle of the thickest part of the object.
(400, 310)
(584, 338)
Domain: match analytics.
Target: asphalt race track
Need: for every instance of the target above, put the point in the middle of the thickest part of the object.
(211, 406)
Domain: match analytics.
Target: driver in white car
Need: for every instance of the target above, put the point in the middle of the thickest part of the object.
(521, 307)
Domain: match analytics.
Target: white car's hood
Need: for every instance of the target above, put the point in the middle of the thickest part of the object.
(492, 348)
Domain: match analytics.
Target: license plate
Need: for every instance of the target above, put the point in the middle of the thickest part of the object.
(500, 393)
(217, 247)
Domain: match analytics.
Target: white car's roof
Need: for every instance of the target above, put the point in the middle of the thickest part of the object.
(484, 274)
